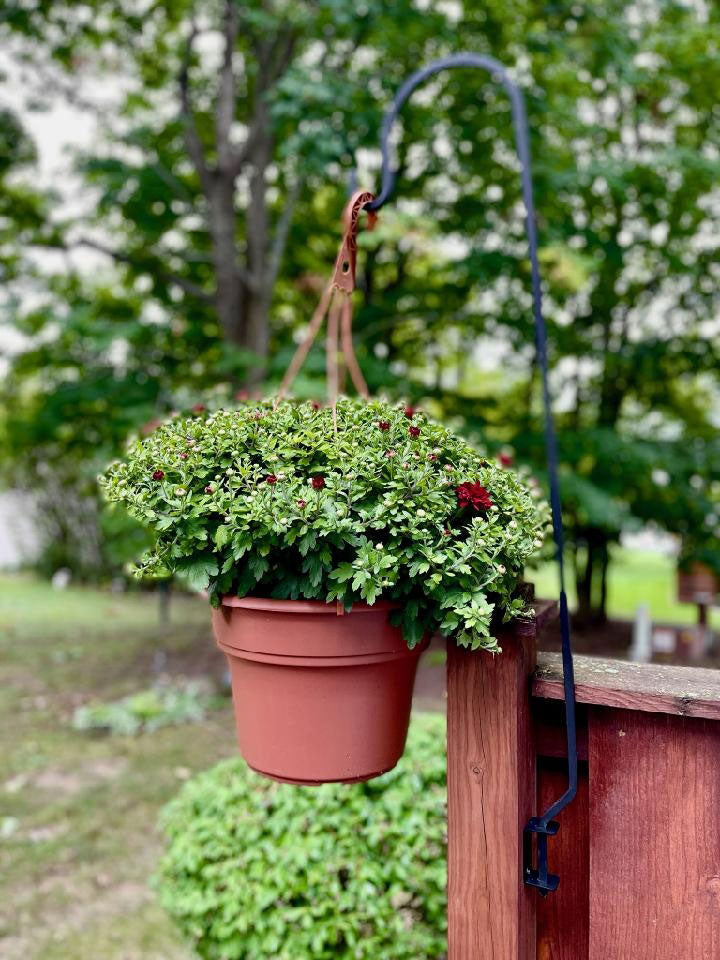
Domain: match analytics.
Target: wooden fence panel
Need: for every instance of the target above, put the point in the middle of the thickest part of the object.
(654, 836)
(563, 916)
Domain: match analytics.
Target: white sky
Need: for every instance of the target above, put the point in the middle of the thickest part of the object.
(56, 131)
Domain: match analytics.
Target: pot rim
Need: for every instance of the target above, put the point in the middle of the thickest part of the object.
(306, 606)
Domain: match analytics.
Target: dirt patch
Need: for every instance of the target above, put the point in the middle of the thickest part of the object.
(183, 652)
(92, 904)
(69, 782)
(46, 834)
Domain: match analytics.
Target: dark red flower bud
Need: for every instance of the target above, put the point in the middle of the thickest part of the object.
(318, 482)
(242, 395)
(414, 431)
(302, 504)
(315, 405)
(198, 408)
(505, 459)
(446, 532)
(432, 457)
(410, 411)
(158, 475)
(209, 488)
(384, 425)
(183, 456)
(473, 495)
(271, 479)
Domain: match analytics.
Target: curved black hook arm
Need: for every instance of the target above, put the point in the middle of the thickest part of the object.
(542, 826)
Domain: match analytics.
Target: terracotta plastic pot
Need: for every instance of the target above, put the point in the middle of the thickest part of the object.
(319, 697)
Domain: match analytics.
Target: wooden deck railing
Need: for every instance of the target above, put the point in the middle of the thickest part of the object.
(638, 851)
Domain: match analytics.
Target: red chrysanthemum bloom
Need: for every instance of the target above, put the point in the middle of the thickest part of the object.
(199, 408)
(414, 431)
(158, 475)
(505, 459)
(473, 495)
(410, 411)
(384, 425)
(318, 482)
(271, 479)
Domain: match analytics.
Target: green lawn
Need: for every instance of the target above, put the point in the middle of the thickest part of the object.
(77, 812)
(635, 577)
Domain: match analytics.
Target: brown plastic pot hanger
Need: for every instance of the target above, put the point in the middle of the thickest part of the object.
(336, 303)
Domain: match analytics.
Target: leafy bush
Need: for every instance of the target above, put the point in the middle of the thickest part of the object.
(147, 710)
(257, 870)
(270, 500)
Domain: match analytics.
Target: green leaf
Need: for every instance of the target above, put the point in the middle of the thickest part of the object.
(342, 573)
(197, 571)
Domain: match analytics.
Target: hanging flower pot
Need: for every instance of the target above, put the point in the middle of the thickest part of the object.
(369, 510)
(363, 508)
(319, 695)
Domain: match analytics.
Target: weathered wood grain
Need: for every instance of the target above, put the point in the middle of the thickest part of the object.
(562, 917)
(650, 688)
(654, 837)
(491, 794)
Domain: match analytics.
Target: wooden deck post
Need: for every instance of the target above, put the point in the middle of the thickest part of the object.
(491, 794)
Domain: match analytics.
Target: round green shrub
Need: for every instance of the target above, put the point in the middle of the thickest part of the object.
(257, 870)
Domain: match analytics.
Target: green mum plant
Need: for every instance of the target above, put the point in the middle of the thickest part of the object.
(273, 500)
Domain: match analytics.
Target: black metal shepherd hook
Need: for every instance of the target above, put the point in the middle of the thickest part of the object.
(535, 870)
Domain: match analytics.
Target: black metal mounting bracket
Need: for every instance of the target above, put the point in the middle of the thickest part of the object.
(535, 874)
(535, 870)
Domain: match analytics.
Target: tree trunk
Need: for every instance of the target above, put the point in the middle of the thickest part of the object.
(257, 337)
(243, 293)
(231, 292)
(583, 584)
(591, 567)
(605, 562)
(243, 304)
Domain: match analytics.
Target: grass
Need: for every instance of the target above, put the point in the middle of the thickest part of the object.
(77, 812)
(635, 577)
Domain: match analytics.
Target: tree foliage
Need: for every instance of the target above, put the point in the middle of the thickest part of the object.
(219, 214)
